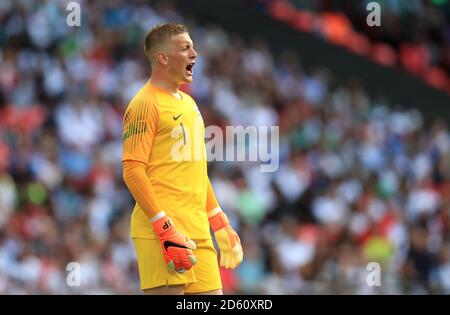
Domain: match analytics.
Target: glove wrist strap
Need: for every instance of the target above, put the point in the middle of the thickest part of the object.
(163, 225)
(218, 221)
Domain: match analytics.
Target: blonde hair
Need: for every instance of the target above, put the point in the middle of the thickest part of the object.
(158, 35)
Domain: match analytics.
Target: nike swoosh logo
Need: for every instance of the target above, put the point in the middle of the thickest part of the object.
(167, 244)
(175, 118)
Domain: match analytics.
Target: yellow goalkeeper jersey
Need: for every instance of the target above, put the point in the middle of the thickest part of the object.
(167, 134)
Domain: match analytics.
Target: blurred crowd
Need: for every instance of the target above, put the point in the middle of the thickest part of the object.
(360, 180)
(413, 35)
(418, 29)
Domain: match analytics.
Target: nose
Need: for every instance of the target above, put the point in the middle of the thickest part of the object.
(193, 53)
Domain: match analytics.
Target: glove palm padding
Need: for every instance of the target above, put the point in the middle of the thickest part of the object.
(231, 253)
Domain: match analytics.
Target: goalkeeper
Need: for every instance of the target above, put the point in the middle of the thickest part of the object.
(175, 203)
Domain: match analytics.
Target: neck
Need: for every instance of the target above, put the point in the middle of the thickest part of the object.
(163, 82)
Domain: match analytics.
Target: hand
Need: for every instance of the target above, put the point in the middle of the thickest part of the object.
(177, 247)
(231, 253)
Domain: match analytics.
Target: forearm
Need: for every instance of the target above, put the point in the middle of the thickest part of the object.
(231, 253)
(141, 188)
(212, 206)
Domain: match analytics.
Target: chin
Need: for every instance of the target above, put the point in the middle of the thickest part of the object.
(187, 80)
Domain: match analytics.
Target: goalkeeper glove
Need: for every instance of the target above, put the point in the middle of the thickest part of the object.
(230, 247)
(177, 247)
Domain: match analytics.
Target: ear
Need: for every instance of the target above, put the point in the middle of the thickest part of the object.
(162, 58)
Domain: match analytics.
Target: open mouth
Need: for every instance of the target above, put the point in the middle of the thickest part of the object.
(189, 68)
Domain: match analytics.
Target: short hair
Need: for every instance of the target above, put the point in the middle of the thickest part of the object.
(159, 34)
